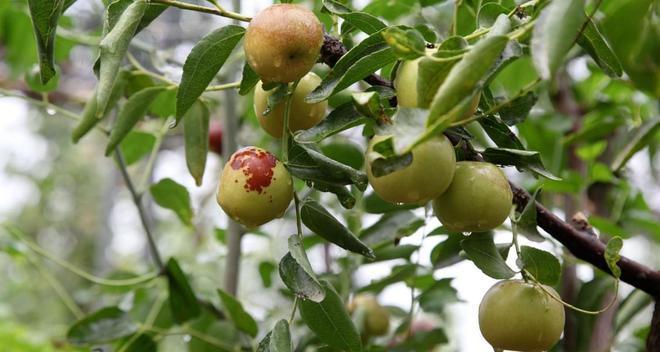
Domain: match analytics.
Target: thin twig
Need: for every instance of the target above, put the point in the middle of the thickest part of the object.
(218, 11)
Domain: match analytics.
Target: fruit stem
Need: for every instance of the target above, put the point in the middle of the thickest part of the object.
(218, 10)
(285, 126)
(293, 310)
(223, 86)
(568, 305)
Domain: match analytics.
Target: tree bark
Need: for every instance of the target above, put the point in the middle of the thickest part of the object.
(653, 340)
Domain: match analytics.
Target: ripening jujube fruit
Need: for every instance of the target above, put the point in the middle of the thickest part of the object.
(478, 199)
(405, 85)
(519, 316)
(301, 115)
(426, 178)
(255, 187)
(283, 42)
(376, 317)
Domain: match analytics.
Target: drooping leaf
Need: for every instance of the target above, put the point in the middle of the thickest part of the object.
(407, 44)
(170, 195)
(639, 138)
(88, 118)
(365, 22)
(136, 145)
(296, 278)
(196, 139)
(542, 265)
(365, 58)
(135, 108)
(392, 226)
(249, 79)
(446, 253)
(45, 16)
(113, 47)
(612, 255)
(321, 222)
(105, 325)
(242, 319)
(500, 133)
(593, 42)
(298, 253)
(523, 159)
(481, 250)
(555, 32)
(330, 321)
(465, 77)
(183, 302)
(203, 63)
(280, 338)
(341, 118)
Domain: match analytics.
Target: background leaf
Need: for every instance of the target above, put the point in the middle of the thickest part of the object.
(170, 195)
(104, 325)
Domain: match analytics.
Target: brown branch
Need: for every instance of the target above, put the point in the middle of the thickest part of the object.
(653, 340)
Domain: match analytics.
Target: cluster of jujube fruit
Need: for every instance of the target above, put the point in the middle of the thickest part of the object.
(282, 43)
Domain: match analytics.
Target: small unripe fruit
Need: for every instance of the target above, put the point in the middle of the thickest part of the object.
(478, 199)
(215, 137)
(405, 85)
(376, 317)
(283, 42)
(255, 187)
(301, 115)
(426, 178)
(519, 316)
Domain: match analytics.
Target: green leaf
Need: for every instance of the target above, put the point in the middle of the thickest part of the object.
(446, 253)
(242, 319)
(465, 77)
(321, 222)
(365, 22)
(342, 118)
(500, 133)
(135, 109)
(196, 138)
(399, 273)
(171, 195)
(45, 15)
(298, 253)
(593, 42)
(392, 226)
(403, 251)
(432, 72)
(139, 343)
(113, 47)
(638, 139)
(330, 321)
(436, 298)
(88, 118)
(373, 204)
(481, 250)
(249, 79)
(555, 32)
(33, 80)
(612, 255)
(542, 265)
(203, 63)
(105, 325)
(365, 58)
(266, 269)
(136, 145)
(526, 224)
(489, 13)
(183, 302)
(296, 278)
(517, 110)
(524, 159)
(307, 163)
(280, 338)
(407, 44)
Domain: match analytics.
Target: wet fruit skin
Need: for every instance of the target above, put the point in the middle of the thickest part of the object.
(215, 137)
(405, 85)
(519, 316)
(283, 42)
(301, 116)
(255, 187)
(426, 178)
(478, 199)
(376, 317)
